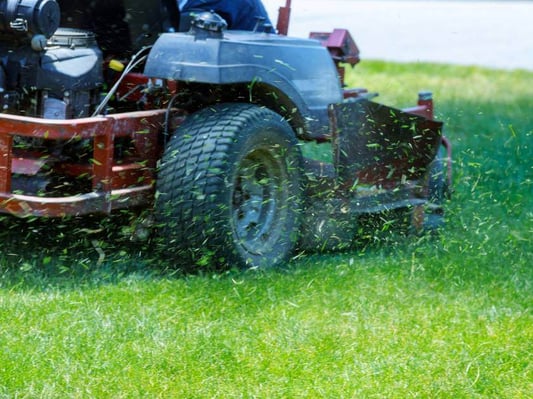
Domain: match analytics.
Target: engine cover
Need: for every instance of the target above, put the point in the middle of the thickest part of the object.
(59, 82)
(71, 62)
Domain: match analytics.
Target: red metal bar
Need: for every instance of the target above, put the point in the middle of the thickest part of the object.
(6, 145)
(284, 16)
(425, 99)
(103, 154)
(24, 205)
(115, 186)
(355, 92)
(424, 106)
(83, 128)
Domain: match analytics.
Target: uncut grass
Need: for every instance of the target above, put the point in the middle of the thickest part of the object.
(445, 316)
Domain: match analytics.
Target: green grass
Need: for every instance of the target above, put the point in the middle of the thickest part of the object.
(86, 314)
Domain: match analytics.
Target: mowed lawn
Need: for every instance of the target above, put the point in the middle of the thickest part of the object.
(85, 314)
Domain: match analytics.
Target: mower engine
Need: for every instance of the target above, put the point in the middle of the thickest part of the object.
(46, 71)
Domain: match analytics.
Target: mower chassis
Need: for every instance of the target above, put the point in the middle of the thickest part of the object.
(130, 183)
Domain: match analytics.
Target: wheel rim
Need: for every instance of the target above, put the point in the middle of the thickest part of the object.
(258, 203)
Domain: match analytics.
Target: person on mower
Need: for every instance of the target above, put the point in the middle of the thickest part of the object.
(239, 14)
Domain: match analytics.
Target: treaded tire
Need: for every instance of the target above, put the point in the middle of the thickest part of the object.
(228, 192)
(439, 192)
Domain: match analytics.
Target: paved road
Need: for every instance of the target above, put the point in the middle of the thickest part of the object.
(496, 34)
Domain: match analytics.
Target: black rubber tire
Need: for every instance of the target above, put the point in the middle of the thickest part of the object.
(439, 192)
(229, 191)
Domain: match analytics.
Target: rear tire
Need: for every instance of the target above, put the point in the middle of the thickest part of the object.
(229, 188)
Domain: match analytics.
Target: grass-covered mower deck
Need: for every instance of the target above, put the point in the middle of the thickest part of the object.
(205, 130)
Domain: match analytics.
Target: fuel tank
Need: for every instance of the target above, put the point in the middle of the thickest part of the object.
(301, 69)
